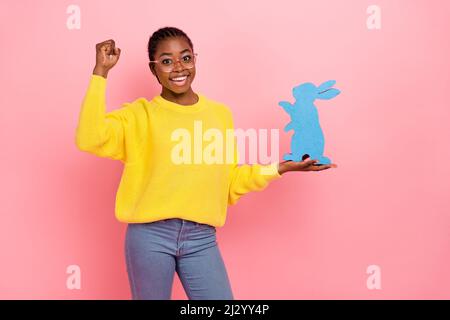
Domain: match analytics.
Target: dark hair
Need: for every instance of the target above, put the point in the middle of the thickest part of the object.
(162, 34)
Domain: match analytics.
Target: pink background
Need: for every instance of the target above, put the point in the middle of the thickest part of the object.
(308, 235)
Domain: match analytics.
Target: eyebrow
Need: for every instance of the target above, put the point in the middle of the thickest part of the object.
(169, 54)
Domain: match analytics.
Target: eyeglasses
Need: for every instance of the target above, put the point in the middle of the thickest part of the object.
(168, 64)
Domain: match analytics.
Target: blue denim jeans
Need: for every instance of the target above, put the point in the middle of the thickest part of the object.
(155, 250)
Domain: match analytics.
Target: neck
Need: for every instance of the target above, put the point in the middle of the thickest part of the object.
(185, 98)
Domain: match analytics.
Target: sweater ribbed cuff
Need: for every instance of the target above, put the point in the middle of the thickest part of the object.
(98, 80)
(270, 171)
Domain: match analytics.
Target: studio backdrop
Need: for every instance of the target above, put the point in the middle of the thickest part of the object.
(376, 227)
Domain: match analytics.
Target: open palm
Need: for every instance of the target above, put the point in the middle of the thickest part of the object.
(305, 165)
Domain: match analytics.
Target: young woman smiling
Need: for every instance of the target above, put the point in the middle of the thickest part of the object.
(172, 210)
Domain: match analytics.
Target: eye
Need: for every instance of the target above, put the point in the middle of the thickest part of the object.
(187, 58)
(166, 61)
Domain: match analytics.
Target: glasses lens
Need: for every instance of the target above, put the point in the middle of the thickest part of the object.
(187, 61)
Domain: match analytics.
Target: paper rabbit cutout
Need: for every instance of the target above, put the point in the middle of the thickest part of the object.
(308, 139)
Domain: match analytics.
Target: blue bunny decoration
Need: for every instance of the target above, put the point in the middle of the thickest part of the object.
(308, 140)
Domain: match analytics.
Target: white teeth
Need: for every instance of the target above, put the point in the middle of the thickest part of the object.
(179, 79)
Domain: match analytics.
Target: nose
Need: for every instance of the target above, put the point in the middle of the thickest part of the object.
(177, 65)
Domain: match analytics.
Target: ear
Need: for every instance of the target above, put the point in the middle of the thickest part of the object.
(151, 68)
(328, 94)
(326, 85)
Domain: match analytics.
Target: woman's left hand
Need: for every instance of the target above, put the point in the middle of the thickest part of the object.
(305, 165)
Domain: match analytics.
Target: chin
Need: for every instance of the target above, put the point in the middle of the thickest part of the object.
(179, 90)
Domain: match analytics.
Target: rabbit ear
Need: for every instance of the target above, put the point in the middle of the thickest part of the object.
(326, 85)
(328, 94)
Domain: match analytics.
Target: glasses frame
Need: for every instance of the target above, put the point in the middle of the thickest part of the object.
(176, 60)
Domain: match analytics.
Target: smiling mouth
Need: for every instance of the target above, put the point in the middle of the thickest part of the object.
(179, 81)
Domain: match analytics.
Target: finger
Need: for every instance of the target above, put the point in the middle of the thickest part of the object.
(103, 53)
(108, 44)
(303, 165)
(117, 51)
(322, 167)
(104, 48)
(102, 44)
(331, 165)
(307, 163)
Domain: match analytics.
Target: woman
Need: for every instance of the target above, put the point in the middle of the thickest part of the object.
(171, 196)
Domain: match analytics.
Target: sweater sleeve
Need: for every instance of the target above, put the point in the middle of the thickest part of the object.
(98, 132)
(249, 177)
